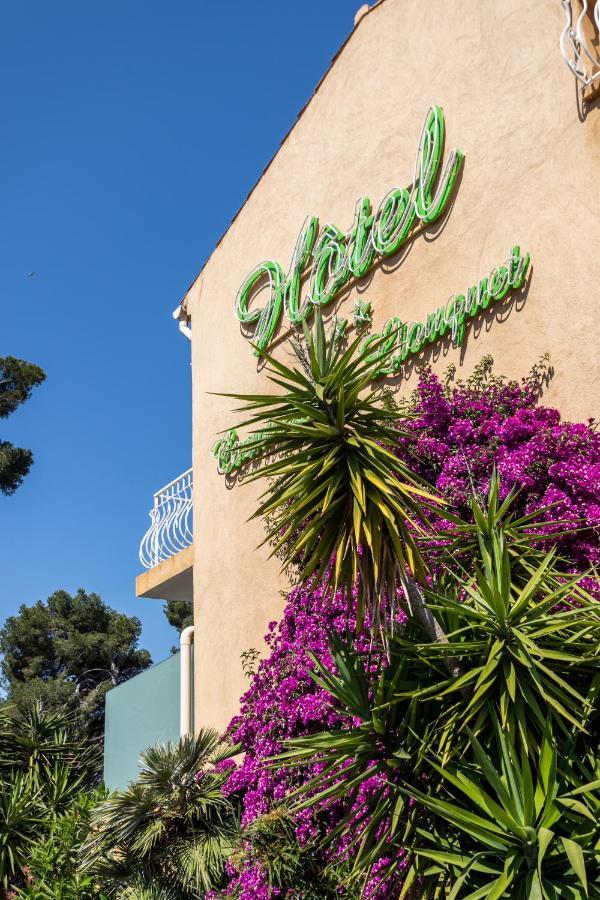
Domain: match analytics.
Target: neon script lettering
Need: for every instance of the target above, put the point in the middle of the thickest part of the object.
(331, 257)
(232, 453)
(409, 338)
(398, 340)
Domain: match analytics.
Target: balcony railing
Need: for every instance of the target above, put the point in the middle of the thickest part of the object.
(579, 41)
(171, 516)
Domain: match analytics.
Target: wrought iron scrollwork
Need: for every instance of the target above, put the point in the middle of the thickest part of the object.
(582, 60)
(171, 517)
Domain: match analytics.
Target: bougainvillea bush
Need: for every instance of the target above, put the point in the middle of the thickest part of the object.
(459, 433)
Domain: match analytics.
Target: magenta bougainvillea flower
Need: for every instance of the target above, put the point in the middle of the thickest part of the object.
(456, 438)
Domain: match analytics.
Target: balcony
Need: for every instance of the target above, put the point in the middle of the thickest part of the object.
(166, 550)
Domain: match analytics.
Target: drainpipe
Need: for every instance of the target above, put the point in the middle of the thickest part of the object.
(185, 674)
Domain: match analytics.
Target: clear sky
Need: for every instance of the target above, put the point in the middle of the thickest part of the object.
(130, 133)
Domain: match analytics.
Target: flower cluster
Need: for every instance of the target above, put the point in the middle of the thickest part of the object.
(283, 700)
(458, 435)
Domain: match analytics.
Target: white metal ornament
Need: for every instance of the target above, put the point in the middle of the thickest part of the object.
(583, 62)
(171, 516)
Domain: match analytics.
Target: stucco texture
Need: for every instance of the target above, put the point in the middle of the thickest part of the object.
(531, 177)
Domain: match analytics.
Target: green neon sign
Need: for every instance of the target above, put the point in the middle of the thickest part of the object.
(330, 258)
(232, 453)
(409, 338)
(399, 340)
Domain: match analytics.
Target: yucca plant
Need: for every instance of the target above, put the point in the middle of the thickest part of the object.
(527, 640)
(495, 627)
(45, 766)
(526, 636)
(34, 739)
(171, 830)
(339, 501)
(506, 830)
(20, 820)
(383, 736)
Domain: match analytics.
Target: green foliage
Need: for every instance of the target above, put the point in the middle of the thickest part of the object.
(524, 635)
(17, 380)
(170, 831)
(498, 665)
(529, 834)
(272, 843)
(52, 870)
(68, 651)
(179, 613)
(47, 747)
(526, 642)
(46, 771)
(19, 822)
(249, 658)
(483, 379)
(336, 490)
(15, 463)
(385, 737)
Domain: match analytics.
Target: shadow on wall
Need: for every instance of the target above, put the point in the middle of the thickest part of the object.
(586, 105)
(483, 322)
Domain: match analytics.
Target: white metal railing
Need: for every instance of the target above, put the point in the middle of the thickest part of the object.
(171, 516)
(575, 46)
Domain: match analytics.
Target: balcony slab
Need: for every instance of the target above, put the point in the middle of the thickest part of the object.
(169, 580)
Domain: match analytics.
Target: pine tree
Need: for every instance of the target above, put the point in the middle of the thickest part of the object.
(68, 651)
(17, 380)
(179, 613)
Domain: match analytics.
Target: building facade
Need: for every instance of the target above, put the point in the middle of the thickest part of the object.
(444, 177)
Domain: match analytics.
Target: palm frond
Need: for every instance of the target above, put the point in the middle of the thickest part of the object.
(340, 504)
(173, 826)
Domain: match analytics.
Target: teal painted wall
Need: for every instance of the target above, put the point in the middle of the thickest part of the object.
(141, 712)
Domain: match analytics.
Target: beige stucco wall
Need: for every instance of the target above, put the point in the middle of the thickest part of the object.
(531, 176)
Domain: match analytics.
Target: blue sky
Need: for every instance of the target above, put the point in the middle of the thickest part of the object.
(130, 134)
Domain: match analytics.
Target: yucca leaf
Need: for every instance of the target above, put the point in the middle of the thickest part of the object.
(575, 855)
